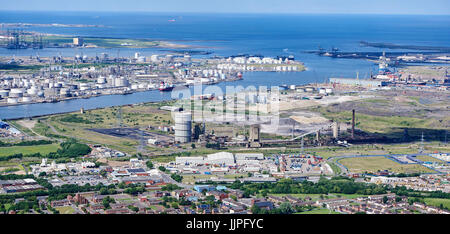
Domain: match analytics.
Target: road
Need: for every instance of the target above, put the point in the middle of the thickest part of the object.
(167, 178)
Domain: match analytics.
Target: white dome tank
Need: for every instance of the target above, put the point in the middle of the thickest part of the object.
(12, 100)
(26, 99)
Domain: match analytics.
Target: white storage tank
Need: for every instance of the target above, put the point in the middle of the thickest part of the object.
(169, 58)
(32, 91)
(12, 100)
(64, 91)
(4, 93)
(121, 82)
(84, 86)
(183, 125)
(72, 86)
(16, 93)
(154, 58)
(26, 99)
(101, 80)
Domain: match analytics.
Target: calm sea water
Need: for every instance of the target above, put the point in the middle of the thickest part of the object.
(232, 34)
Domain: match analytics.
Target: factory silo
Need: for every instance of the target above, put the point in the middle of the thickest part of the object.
(183, 125)
(335, 127)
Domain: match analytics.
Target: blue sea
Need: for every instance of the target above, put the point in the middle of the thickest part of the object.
(232, 34)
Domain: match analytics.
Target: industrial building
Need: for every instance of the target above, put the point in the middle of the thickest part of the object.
(78, 41)
(364, 83)
(20, 185)
(223, 158)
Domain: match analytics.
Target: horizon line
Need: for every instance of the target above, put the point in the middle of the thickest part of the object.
(254, 13)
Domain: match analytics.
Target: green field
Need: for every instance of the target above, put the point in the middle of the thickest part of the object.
(105, 42)
(425, 158)
(65, 210)
(26, 150)
(76, 125)
(315, 197)
(374, 164)
(436, 202)
(318, 211)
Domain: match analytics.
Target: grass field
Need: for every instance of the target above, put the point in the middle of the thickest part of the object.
(425, 158)
(65, 210)
(372, 149)
(132, 116)
(335, 168)
(318, 211)
(315, 197)
(26, 150)
(437, 202)
(374, 164)
(105, 42)
(379, 124)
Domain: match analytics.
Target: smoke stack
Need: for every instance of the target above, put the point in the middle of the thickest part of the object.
(353, 123)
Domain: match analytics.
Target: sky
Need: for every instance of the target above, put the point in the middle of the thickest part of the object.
(427, 7)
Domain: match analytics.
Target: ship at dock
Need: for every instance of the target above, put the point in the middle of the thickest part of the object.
(164, 87)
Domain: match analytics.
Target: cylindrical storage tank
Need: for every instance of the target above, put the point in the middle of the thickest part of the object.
(101, 80)
(121, 82)
(16, 93)
(183, 125)
(169, 58)
(72, 86)
(12, 100)
(32, 91)
(4, 93)
(26, 99)
(84, 86)
(64, 91)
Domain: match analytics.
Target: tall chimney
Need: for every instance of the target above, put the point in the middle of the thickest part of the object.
(353, 124)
